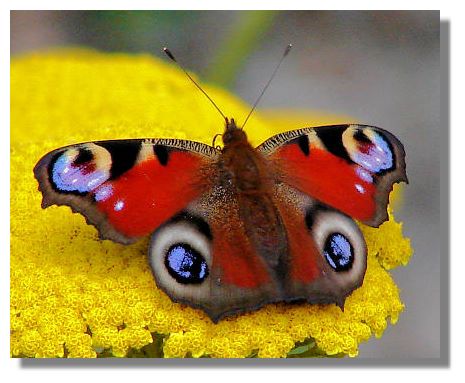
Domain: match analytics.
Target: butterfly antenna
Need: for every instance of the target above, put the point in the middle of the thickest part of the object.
(286, 52)
(171, 56)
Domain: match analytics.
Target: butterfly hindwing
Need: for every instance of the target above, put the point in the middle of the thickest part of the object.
(126, 188)
(203, 257)
(326, 250)
(351, 168)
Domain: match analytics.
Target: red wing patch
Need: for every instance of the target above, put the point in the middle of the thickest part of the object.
(303, 252)
(329, 179)
(149, 193)
(239, 264)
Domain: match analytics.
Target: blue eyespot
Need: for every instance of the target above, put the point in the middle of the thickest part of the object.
(77, 173)
(185, 264)
(375, 154)
(339, 252)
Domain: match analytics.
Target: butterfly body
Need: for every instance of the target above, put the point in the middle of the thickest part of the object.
(239, 227)
(251, 182)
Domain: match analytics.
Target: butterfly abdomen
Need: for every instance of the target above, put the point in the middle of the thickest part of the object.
(265, 229)
(248, 174)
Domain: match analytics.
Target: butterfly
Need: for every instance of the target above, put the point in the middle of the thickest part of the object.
(239, 227)
(235, 228)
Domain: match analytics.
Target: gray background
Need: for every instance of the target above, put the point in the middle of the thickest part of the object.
(382, 68)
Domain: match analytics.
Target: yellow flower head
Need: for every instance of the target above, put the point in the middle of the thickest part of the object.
(73, 295)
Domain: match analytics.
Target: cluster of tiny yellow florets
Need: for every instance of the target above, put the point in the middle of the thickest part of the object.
(73, 295)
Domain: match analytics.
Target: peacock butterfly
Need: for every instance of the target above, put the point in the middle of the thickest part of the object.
(237, 227)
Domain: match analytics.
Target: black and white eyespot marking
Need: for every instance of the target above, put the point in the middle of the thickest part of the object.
(311, 214)
(371, 148)
(180, 255)
(185, 264)
(360, 136)
(85, 155)
(339, 252)
(391, 151)
(51, 164)
(198, 222)
(339, 241)
(123, 155)
(51, 171)
(309, 221)
(64, 171)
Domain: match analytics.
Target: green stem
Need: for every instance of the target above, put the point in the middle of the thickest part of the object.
(245, 36)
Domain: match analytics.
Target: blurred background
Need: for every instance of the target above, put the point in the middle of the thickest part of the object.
(379, 67)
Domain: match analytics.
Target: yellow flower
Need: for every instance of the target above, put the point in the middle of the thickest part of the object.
(73, 295)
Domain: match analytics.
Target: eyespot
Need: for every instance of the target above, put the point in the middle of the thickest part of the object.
(338, 252)
(369, 149)
(186, 264)
(341, 245)
(80, 169)
(180, 257)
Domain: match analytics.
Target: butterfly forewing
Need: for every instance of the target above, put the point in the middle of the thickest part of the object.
(351, 168)
(126, 188)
